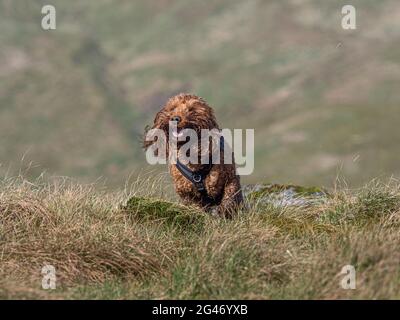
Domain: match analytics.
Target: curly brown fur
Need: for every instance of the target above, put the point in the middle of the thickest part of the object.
(222, 183)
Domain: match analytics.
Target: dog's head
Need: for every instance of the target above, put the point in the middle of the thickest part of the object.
(187, 112)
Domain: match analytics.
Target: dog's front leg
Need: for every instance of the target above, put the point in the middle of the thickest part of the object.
(231, 200)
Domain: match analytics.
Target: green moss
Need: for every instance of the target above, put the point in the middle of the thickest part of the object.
(176, 215)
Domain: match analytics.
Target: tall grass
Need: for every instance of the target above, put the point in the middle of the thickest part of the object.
(134, 245)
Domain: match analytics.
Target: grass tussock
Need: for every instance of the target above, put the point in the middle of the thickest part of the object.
(81, 232)
(130, 244)
(146, 209)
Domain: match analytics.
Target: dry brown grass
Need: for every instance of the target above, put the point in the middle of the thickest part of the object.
(80, 231)
(154, 248)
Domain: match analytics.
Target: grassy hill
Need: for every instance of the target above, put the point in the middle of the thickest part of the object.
(323, 100)
(102, 248)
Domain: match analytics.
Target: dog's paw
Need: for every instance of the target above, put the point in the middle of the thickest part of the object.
(214, 212)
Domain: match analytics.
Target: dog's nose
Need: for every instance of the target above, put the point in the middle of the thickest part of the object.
(176, 118)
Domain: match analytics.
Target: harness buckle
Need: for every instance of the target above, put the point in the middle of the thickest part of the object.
(196, 177)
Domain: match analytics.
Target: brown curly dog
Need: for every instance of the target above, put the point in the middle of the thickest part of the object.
(214, 187)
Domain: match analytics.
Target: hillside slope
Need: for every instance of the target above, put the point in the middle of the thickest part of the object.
(323, 100)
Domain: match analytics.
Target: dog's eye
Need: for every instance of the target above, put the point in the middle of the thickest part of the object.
(176, 118)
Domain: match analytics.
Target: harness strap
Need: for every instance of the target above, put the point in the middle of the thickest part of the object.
(197, 177)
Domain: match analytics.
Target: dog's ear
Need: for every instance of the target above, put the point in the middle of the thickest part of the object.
(159, 120)
(157, 124)
(146, 143)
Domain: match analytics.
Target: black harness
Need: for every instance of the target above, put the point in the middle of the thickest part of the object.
(197, 177)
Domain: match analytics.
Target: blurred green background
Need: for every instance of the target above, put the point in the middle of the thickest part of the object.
(323, 101)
